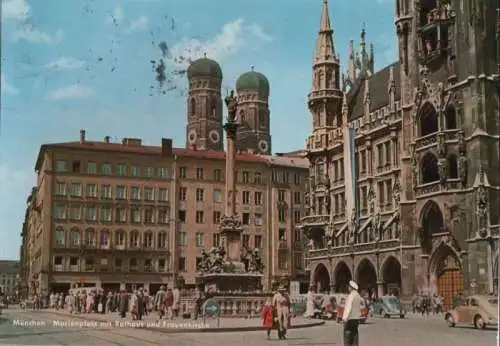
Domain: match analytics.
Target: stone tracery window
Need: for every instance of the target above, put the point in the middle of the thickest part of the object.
(192, 107)
(429, 167)
(450, 118)
(452, 167)
(428, 119)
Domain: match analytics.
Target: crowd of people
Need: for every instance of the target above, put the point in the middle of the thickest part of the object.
(426, 305)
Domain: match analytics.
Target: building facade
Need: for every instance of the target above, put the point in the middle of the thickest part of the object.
(125, 214)
(404, 186)
(10, 277)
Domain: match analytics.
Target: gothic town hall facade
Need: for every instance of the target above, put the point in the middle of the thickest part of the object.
(404, 184)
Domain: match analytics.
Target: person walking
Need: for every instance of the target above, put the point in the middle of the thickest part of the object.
(352, 314)
(281, 303)
(267, 317)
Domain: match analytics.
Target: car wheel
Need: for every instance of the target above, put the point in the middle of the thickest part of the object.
(479, 323)
(450, 320)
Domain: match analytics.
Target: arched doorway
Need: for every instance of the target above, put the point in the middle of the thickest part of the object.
(391, 274)
(366, 276)
(449, 278)
(342, 277)
(428, 119)
(321, 278)
(432, 223)
(430, 170)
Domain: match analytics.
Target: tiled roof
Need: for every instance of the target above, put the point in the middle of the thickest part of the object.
(285, 161)
(379, 97)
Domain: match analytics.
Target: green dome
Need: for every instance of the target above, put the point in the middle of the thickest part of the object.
(253, 81)
(204, 67)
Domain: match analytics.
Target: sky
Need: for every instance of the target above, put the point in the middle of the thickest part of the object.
(87, 64)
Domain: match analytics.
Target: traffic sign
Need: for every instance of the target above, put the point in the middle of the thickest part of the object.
(211, 308)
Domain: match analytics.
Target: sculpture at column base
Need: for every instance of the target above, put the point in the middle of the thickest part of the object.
(230, 224)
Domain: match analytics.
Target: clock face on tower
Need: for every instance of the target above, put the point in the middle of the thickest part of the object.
(263, 146)
(192, 136)
(214, 136)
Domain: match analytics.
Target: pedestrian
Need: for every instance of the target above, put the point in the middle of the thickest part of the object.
(281, 303)
(169, 303)
(177, 301)
(352, 314)
(267, 316)
(159, 303)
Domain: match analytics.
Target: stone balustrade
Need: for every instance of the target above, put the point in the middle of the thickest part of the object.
(230, 306)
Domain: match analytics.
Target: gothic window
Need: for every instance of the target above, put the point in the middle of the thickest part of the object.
(242, 116)
(213, 106)
(192, 107)
(428, 119)
(321, 78)
(430, 171)
(328, 80)
(451, 118)
(452, 167)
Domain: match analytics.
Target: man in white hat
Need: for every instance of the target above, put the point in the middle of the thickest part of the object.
(352, 314)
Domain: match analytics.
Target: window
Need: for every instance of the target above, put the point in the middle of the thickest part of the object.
(216, 239)
(297, 197)
(106, 191)
(163, 216)
(91, 167)
(281, 195)
(380, 155)
(133, 264)
(381, 197)
(245, 240)
(58, 261)
(74, 237)
(182, 172)
(135, 171)
(218, 196)
(257, 196)
(257, 178)
(92, 190)
(298, 236)
(161, 264)
(105, 214)
(216, 217)
(258, 242)
(199, 173)
(106, 169)
(362, 162)
(135, 193)
(149, 194)
(246, 218)
(76, 212)
(148, 265)
(76, 190)
(283, 260)
(388, 153)
(245, 177)
(121, 169)
(282, 214)
(163, 172)
(121, 215)
(181, 238)
(149, 215)
(104, 239)
(91, 213)
(389, 191)
(182, 264)
(60, 189)
(246, 197)
(199, 195)
(162, 240)
(60, 211)
(163, 195)
(61, 166)
(282, 234)
(199, 216)
(296, 216)
(199, 239)
(135, 215)
(134, 239)
(120, 238)
(59, 237)
(121, 192)
(299, 261)
(148, 172)
(90, 237)
(217, 175)
(258, 219)
(182, 194)
(73, 261)
(296, 178)
(148, 240)
(182, 215)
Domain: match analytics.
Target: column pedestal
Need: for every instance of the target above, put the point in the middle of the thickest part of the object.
(380, 288)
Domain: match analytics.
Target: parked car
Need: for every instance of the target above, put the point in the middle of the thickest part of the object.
(388, 306)
(341, 299)
(478, 310)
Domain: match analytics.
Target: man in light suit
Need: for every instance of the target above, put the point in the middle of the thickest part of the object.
(352, 314)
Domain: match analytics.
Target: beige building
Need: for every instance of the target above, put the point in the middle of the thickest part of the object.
(9, 277)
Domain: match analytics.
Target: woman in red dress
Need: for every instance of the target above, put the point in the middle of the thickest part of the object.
(267, 317)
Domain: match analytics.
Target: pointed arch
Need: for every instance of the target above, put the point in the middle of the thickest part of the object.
(428, 119)
(321, 278)
(366, 276)
(342, 275)
(429, 168)
(391, 275)
(432, 222)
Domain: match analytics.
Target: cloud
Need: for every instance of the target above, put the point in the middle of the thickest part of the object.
(7, 88)
(232, 38)
(117, 16)
(31, 34)
(71, 92)
(137, 25)
(65, 64)
(15, 10)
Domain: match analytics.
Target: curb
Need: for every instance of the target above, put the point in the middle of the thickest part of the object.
(200, 330)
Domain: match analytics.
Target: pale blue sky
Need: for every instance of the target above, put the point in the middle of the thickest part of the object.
(72, 64)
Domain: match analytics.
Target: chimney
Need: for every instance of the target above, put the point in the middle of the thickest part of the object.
(166, 147)
(106, 139)
(82, 136)
(132, 142)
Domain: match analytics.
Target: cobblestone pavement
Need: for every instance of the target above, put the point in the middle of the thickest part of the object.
(415, 330)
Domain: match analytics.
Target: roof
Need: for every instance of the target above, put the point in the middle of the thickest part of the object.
(204, 67)
(253, 80)
(176, 152)
(9, 267)
(378, 85)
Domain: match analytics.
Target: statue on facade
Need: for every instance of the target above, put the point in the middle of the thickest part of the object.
(245, 257)
(461, 142)
(371, 199)
(482, 210)
(442, 170)
(352, 227)
(216, 260)
(462, 169)
(414, 167)
(232, 106)
(256, 264)
(376, 226)
(396, 192)
(441, 145)
(205, 264)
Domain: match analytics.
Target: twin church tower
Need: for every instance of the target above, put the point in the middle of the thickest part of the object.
(204, 129)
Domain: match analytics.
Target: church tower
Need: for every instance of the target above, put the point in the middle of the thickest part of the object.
(253, 97)
(204, 118)
(325, 98)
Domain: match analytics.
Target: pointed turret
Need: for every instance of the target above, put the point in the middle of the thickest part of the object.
(325, 49)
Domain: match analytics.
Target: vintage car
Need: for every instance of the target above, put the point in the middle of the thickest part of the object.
(341, 299)
(478, 310)
(388, 306)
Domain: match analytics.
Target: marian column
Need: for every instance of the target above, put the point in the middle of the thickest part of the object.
(230, 226)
